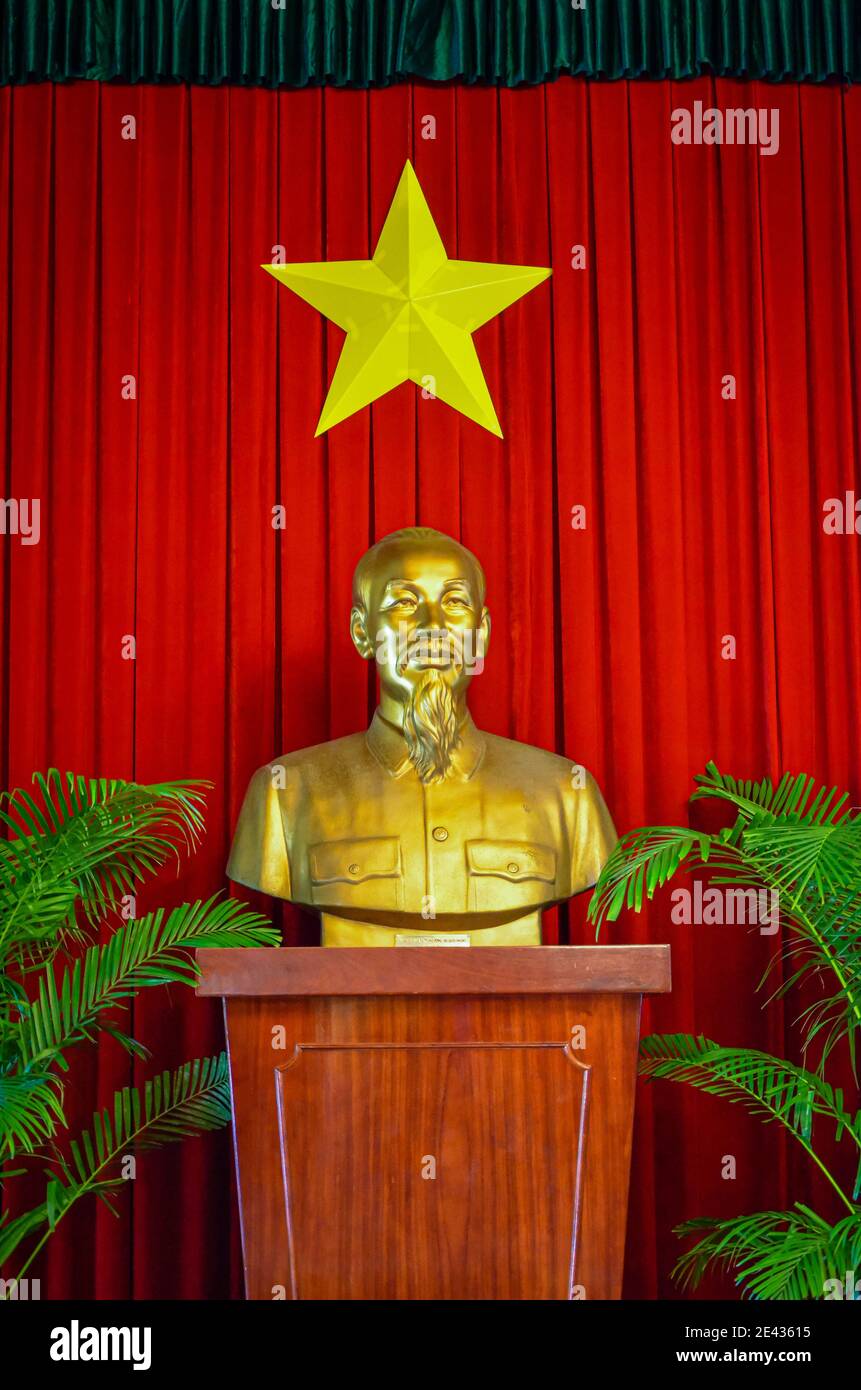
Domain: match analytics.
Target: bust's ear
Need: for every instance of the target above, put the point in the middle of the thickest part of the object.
(359, 633)
(484, 629)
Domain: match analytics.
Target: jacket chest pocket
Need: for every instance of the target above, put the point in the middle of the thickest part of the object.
(509, 873)
(357, 873)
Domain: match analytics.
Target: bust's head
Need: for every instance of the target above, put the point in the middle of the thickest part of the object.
(418, 611)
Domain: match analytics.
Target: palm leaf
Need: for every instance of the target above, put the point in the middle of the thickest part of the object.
(796, 797)
(803, 842)
(824, 948)
(31, 1108)
(174, 1106)
(643, 861)
(797, 840)
(797, 857)
(768, 1086)
(773, 1254)
(151, 950)
(83, 841)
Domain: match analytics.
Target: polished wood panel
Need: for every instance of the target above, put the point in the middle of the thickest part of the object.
(444, 1201)
(524, 1101)
(260, 971)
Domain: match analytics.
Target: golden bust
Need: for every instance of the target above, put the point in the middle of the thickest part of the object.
(422, 829)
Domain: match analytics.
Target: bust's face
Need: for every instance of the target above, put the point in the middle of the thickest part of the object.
(424, 613)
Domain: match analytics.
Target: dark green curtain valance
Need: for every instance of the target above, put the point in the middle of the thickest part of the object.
(297, 43)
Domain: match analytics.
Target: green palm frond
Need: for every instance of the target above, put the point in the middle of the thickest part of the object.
(174, 1106)
(805, 834)
(770, 1087)
(31, 1108)
(72, 851)
(823, 955)
(774, 1254)
(796, 798)
(83, 841)
(643, 861)
(801, 842)
(824, 858)
(151, 950)
(15, 1229)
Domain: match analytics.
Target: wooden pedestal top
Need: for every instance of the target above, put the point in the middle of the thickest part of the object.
(261, 971)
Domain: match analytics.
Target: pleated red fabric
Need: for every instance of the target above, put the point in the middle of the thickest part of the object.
(139, 258)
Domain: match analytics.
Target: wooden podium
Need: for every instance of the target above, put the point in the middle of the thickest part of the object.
(433, 1123)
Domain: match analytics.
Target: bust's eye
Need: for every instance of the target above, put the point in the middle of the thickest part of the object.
(405, 601)
(458, 601)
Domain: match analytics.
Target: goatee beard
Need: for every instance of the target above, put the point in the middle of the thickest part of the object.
(430, 727)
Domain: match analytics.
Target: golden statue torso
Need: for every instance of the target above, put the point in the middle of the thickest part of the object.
(348, 829)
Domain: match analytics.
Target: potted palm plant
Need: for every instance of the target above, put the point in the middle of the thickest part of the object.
(74, 852)
(801, 845)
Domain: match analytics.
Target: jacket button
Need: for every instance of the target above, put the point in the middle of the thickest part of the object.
(514, 868)
(439, 832)
(353, 869)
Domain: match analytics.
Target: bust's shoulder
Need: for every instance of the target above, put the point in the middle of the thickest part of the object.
(575, 786)
(319, 759)
(508, 753)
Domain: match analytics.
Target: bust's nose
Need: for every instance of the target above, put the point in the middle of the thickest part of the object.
(432, 615)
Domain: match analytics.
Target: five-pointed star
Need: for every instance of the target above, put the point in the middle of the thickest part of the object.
(408, 313)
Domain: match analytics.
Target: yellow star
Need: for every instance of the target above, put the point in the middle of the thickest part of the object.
(408, 313)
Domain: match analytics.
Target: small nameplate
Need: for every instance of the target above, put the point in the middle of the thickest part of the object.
(434, 939)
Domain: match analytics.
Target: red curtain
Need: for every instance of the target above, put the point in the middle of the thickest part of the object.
(141, 258)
